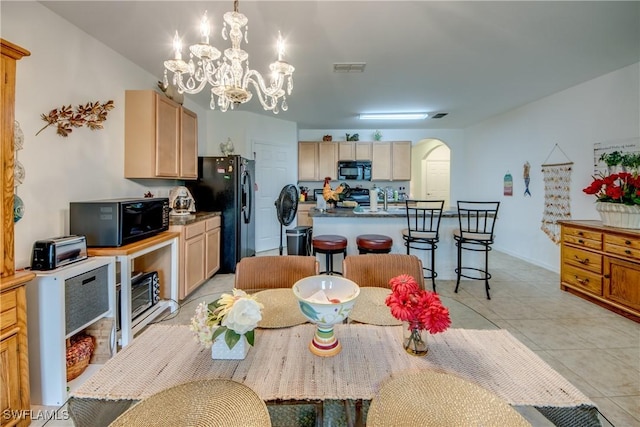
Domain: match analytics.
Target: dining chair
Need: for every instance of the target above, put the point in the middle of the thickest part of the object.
(475, 233)
(212, 402)
(424, 398)
(273, 271)
(423, 231)
(378, 269)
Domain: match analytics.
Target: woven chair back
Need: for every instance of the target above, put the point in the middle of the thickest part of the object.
(378, 269)
(272, 272)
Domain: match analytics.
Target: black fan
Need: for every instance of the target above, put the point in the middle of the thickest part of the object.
(286, 207)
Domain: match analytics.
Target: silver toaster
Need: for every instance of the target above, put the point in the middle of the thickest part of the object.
(56, 252)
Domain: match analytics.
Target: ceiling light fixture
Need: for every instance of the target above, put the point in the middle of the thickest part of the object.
(229, 81)
(393, 116)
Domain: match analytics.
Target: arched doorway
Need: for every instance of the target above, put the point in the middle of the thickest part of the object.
(430, 178)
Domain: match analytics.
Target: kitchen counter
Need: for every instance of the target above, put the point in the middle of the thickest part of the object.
(190, 219)
(397, 211)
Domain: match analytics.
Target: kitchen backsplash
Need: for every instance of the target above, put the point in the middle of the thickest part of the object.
(400, 186)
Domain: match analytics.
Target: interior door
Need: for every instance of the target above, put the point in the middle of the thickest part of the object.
(437, 178)
(273, 164)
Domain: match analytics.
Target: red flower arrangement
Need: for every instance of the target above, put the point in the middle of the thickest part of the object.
(621, 187)
(420, 308)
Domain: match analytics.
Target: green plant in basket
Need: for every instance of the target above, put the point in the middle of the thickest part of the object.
(232, 315)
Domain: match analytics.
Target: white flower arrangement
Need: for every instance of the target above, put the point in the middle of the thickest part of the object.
(232, 315)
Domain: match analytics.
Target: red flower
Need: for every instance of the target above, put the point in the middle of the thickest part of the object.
(421, 308)
(622, 187)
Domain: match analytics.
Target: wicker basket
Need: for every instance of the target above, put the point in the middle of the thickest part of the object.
(79, 351)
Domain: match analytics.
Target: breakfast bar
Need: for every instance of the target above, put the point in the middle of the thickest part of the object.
(350, 223)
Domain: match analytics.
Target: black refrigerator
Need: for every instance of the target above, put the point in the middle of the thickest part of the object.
(226, 184)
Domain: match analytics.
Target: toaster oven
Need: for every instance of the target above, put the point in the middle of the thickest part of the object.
(145, 293)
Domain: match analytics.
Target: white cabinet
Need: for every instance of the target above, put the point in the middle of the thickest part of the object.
(61, 303)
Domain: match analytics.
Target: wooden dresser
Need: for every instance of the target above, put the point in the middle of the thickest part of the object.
(602, 264)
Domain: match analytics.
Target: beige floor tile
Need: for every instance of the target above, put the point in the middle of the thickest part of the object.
(549, 335)
(614, 414)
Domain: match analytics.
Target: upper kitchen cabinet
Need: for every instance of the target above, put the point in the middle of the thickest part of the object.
(161, 137)
(391, 161)
(349, 150)
(317, 160)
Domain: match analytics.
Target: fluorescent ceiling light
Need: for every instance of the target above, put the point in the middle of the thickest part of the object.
(394, 116)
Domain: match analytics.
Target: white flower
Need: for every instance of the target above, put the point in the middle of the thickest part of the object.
(243, 316)
(202, 326)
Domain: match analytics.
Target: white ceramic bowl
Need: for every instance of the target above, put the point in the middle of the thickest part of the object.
(326, 300)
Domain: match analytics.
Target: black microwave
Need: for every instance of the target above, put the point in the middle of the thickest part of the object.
(354, 170)
(117, 222)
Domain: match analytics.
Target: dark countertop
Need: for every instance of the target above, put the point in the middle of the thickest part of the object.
(392, 212)
(190, 219)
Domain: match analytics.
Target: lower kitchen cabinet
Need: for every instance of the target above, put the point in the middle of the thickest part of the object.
(199, 257)
(303, 214)
(14, 359)
(602, 264)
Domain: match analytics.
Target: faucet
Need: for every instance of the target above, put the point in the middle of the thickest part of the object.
(384, 201)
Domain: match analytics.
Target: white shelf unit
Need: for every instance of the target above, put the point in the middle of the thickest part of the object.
(48, 322)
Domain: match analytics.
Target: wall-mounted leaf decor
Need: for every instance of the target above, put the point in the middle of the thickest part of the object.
(65, 118)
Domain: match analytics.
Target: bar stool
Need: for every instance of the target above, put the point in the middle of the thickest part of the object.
(476, 220)
(374, 244)
(330, 244)
(423, 231)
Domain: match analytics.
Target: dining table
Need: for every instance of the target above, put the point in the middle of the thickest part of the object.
(301, 388)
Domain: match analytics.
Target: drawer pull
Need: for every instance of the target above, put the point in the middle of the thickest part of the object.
(581, 241)
(627, 251)
(582, 281)
(580, 233)
(582, 261)
(627, 242)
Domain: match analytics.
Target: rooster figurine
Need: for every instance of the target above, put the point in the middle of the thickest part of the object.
(330, 194)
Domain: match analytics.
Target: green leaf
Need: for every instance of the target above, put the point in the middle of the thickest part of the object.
(250, 336)
(231, 338)
(219, 331)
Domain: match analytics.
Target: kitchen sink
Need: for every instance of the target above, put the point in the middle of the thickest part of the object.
(380, 211)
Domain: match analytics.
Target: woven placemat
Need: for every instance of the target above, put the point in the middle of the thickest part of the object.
(214, 402)
(281, 309)
(431, 398)
(370, 308)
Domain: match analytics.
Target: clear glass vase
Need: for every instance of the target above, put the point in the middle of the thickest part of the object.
(414, 340)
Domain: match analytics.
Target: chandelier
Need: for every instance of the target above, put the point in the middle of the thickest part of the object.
(229, 76)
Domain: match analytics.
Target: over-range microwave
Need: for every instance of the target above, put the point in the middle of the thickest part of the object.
(354, 170)
(117, 222)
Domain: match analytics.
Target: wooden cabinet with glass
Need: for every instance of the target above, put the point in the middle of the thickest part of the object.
(199, 257)
(602, 265)
(14, 354)
(161, 137)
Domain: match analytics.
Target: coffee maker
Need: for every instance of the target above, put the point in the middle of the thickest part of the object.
(181, 201)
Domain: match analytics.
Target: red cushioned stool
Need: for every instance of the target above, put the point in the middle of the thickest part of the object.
(374, 243)
(330, 244)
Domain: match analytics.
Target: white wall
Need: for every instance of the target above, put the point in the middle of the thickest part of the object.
(604, 109)
(67, 66)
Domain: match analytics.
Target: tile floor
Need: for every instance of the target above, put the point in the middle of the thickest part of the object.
(596, 350)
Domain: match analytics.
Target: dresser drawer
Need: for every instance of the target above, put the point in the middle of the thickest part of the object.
(582, 279)
(9, 309)
(620, 245)
(581, 237)
(582, 259)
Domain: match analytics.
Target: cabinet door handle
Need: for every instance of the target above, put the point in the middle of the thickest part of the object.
(584, 261)
(582, 281)
(607, 276)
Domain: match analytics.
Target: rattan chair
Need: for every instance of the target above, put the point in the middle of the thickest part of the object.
(213, 402)
(475, 233)
(272, 272)
(423, 231)
(378, 269)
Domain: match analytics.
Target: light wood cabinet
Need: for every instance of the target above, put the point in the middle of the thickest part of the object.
(350, 150)
(307, 161)
(303, 214)
(317, 160)
(161, 137)
(199, 255)
(602, 265)
(391, 161)
(14, 354)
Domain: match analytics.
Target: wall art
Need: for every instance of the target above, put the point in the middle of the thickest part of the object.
(91, 115)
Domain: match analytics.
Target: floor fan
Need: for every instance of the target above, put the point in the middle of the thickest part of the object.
(286, 207)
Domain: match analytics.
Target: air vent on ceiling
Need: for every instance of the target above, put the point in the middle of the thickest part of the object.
(438, 115)
(349, 67)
